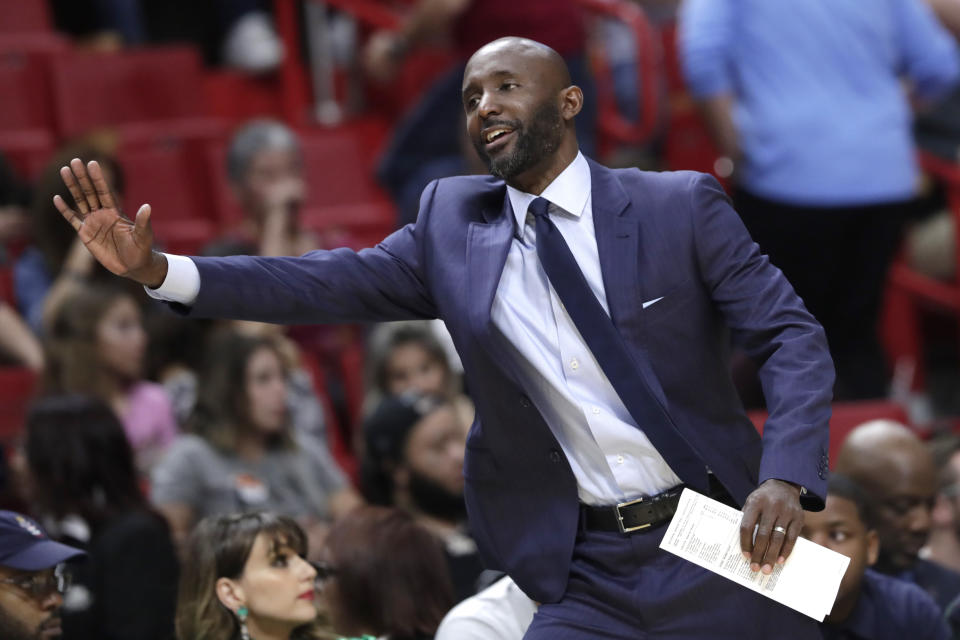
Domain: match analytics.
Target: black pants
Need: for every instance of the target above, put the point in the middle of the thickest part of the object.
(837, 259)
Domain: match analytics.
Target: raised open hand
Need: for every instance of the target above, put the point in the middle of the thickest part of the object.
(123, 246)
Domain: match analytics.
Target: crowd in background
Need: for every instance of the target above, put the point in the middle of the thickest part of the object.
(220, 457)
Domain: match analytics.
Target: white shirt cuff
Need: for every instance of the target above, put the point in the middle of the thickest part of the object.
(182, 283)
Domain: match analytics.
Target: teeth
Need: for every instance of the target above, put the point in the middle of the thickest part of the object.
(496, 133)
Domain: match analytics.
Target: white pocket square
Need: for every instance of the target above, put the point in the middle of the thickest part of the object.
(650, 303)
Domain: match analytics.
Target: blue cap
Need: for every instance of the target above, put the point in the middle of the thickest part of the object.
(26, 547)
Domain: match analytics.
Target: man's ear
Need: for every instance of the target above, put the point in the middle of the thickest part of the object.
(571, 102)
(230, 594)
(873, 547)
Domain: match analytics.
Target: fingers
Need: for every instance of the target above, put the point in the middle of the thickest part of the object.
(100, 185)
(793, 532)
(762, 541)
(747, 526)
(69, 214)
(76, 165)
(68, 179)
(141, 224)
(777, 537)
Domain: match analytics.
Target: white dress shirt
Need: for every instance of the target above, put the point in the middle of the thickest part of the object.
(612, 460)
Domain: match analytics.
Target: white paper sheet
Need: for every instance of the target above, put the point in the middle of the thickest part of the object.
(707, 533)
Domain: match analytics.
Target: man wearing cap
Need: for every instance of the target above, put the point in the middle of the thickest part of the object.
(32, 580)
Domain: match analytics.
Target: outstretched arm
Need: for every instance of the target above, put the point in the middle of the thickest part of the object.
(379, 284)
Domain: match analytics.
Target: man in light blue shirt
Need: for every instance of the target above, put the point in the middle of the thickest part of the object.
(807, 101)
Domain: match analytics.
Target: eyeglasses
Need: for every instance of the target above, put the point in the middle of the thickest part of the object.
(41, 585)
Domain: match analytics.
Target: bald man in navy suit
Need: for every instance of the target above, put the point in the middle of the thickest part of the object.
(593, 310)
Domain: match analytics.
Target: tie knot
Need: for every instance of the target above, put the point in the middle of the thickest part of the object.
(539, 207)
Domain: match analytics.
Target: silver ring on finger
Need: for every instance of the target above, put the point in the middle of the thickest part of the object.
(779, 529)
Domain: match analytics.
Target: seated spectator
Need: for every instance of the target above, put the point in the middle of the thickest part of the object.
(265, 167)
(869, 604)
(898, 474)
(500, 611)
(57, 262)
(84, 484)
(32, 579)
(241, 454)
(383, 575)
(943, 545)
(408, 356)
(414, 460)
(245, 577)
(96, 346)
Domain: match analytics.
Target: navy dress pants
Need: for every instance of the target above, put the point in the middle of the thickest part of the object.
(627, 588)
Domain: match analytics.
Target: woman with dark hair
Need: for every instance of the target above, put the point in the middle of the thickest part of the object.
(96, 346)
(49, 269)
(245, 577)
(384, 575)
(82, 483)
(407, 357)
(241, 454)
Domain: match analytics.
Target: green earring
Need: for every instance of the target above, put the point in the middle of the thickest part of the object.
(242, 614)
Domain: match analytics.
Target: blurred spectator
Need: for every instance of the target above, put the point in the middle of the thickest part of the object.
(47, 271)
(14, 200)
(84, 485)
(806, 103)
(245, 577)
(32, 580)
(897, 472)
(265, 167)
(869, 604)
(18, 345)
(408, 356)
(414, 460)
(943, 546)
(500, 611)
(96, 346)
(383, 575)
(429, 142)
(242, 454)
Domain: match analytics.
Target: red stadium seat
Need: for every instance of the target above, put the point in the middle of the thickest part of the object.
(156, 85)
(846, 417)
(17, 386)
(24, 16)
(168, 173)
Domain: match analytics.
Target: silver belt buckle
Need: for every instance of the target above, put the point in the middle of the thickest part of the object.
(624, 529)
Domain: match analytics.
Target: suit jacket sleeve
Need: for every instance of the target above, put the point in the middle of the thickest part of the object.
(383, 283)
(768, 319)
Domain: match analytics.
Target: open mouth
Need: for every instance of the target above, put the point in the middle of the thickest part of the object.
(497, 137)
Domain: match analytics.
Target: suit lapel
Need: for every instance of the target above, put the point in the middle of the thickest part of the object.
(617, 227)
(487, 246)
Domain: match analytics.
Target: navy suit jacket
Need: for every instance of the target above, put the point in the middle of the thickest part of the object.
(669, 235)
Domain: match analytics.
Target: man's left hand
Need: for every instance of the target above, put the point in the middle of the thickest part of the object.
(774, 510)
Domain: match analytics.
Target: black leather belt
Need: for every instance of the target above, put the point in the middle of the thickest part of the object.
(635, 515)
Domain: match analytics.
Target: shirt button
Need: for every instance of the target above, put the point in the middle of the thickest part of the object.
(554, 455)
(525, 402)
(596, 410)
(620, 459)
(574, 364)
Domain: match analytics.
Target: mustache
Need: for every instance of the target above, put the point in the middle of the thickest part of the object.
(512, 124)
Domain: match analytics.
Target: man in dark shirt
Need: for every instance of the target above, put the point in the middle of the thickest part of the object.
(870, 605)
(899, 476)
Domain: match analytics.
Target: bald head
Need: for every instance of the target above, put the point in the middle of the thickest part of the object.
(878, 448)
(898, 472)
(548, 64)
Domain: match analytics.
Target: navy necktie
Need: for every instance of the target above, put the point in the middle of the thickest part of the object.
(610, 350)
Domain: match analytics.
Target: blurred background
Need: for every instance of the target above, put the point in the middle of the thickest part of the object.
(278, 127)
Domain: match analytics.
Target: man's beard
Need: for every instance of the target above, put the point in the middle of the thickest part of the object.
(11, 629)
(433, 499)
(534, 143)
